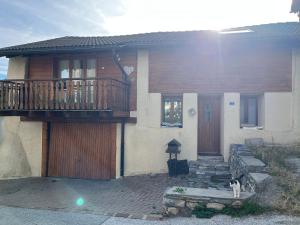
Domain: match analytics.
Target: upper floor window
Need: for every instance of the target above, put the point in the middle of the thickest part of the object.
(77, 71)
(171, 111)
(91, 68)
(77, 68)
(64, 66)
(249, 111)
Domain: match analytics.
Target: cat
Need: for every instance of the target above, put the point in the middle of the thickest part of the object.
(237, 185)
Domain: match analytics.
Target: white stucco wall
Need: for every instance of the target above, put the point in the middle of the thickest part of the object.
(16, 68)
(280, 113)
(145, 142)
(20, 142)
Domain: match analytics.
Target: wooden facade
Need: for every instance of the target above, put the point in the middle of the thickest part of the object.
(252, 69)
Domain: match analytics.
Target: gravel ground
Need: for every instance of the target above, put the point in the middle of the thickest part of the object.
(22, 216)
(217, 220)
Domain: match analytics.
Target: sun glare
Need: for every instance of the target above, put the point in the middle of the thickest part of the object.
(172, 15)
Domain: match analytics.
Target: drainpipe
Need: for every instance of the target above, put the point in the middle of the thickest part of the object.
(122, 159)
(116, 60)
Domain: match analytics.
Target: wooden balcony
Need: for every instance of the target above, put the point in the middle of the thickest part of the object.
(64, 98)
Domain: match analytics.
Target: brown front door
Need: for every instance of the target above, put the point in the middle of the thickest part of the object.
(209, 125)
(82, 150)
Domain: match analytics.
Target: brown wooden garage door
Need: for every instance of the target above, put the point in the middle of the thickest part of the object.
(82, 150)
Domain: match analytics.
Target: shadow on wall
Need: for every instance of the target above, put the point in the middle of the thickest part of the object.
(13, 159)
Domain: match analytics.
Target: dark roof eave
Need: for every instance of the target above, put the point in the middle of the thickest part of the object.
(72, 49)
(38, 51)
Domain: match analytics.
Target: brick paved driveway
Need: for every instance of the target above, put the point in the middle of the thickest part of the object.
(132, 195)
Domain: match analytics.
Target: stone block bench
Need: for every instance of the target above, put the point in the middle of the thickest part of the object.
(184, 202)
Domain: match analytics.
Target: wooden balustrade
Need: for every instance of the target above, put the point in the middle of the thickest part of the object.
(64, 95)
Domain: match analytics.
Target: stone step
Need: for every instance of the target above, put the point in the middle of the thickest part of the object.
(211, 158)
(209, 167)
(221, 178)
(222, 165)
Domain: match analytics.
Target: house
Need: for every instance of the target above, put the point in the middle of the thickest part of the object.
(295, 7)
(104, 107)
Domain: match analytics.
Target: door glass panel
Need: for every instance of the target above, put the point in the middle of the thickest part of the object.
(207, 112)
(91, 68)
(77, 71)
(64, 68)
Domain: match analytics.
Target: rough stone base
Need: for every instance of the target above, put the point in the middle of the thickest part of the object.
(187, 199)
(243, 162)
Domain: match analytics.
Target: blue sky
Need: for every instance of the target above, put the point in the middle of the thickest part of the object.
(23, 21)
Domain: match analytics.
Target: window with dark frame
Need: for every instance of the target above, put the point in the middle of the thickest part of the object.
(171, 111)
(249, 111)
(77, 68)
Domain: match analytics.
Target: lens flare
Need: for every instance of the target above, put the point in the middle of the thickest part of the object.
(80, 202)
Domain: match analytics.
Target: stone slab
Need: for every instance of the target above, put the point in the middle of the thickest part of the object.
(206, 195)
(259, 177)
(253, 163)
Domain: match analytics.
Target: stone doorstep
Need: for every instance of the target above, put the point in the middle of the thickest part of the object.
(206, 195)
(212, 158)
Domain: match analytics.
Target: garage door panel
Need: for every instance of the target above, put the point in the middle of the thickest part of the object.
(82, 150)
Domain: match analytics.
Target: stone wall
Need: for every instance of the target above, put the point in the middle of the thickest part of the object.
(242, 162)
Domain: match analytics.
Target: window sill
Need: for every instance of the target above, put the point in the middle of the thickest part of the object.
(252, 128)
(164, 126)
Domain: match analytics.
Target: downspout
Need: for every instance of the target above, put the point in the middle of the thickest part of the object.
(122, 158)
(116, 60)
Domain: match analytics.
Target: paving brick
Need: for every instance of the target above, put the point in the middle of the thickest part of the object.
(138, 195)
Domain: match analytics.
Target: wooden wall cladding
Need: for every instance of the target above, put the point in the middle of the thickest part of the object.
(194, 69)
(40, 67)
(82, 150)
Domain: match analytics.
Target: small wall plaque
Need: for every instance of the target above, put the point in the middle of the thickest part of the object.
(232, 103)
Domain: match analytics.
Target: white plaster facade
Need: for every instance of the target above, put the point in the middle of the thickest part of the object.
(21, 142)
(280, 113)
(146, 141)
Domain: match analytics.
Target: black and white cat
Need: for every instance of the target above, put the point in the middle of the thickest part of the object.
(237, 185)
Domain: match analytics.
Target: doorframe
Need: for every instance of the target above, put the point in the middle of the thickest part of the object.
(219, 95)
(46, 126)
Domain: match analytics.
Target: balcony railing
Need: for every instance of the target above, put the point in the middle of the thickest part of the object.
(64, 95)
